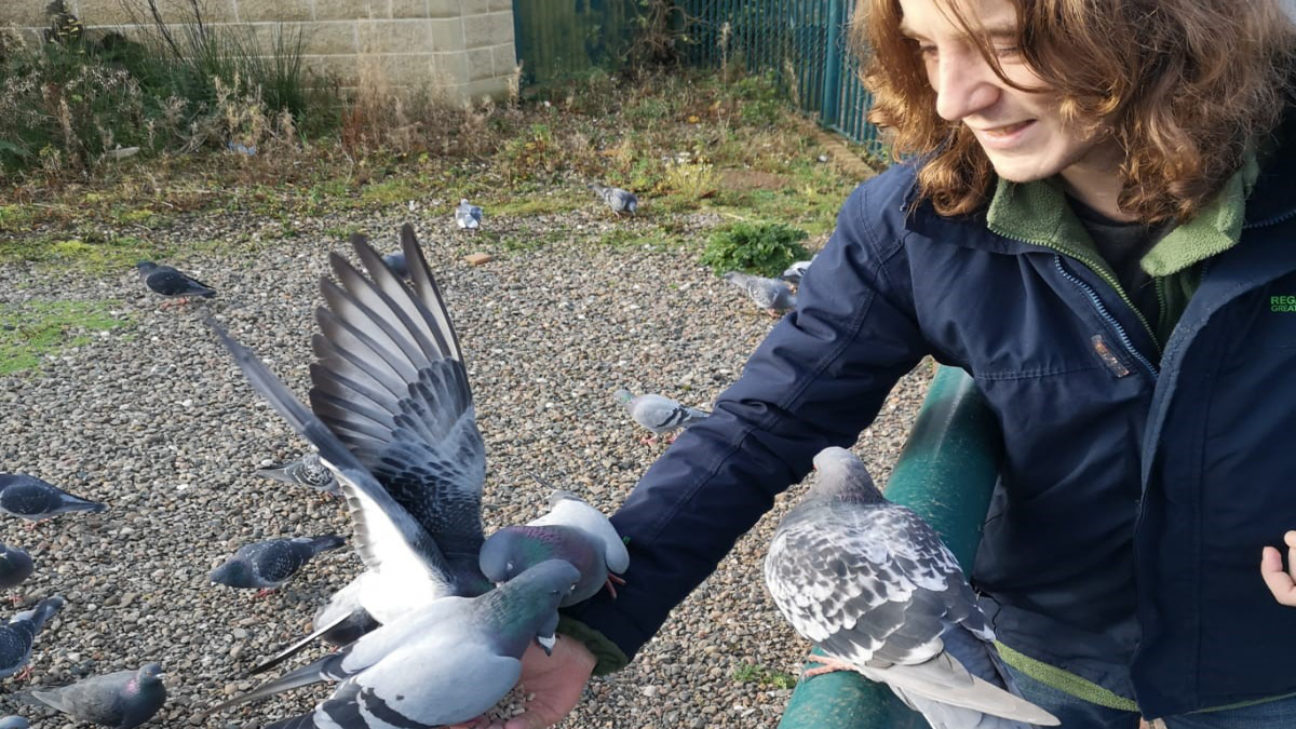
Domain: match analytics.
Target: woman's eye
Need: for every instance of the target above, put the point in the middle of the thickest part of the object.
(1007, 51)
(927, 51)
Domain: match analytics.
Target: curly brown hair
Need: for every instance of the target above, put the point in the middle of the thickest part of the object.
(1187, 88)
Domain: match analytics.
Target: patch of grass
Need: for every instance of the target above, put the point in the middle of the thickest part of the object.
(763, 676)
(90, 251)
(551, 204)
(34, 329)
(761, 248)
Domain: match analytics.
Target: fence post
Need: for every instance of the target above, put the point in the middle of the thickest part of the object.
(832, 63)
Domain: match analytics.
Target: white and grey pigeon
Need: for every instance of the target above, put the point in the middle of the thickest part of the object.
(572, 531)
(621, 201)
(15, 566)
(171, 283)
(269, 564)
(875, 587)
(308, 470)
(36, 500)
(658, 413)
(770, 294)
(468, 216)
(122, 700)
(447, 663)
(14, 722)
(792, 274)
(17, 635)
(392, 416)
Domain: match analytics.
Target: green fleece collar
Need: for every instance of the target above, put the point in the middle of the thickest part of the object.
(1213, 231)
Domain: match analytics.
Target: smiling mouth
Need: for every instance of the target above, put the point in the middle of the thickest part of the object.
(1006, 130)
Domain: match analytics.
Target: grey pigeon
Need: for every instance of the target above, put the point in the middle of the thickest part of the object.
(170, 283)
(396, 262)
(873, 585)
(35, 500)
(792, 274)
(15, 566)
(444, 664)
(14, 722)
(123, 700)
(621, 201)
(658, 413)
(769, 294)
(468, 216)
(267, 565)
(572, 531)
(17, 635)
(308, 470)
(393, 418)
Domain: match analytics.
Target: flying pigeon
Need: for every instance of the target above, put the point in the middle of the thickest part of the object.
(468, 216)
(658, 413)
(15, 566)
(393, 419)
(14, 722)
(873, 585)
(621, 201)
(170, 283)
(307, 471)
(123, 700)
(35, 500)
(792, 274)
(17, 635)
(445, 664)
(572, 531)
(269, 564)
(770, 294)
(396, 262)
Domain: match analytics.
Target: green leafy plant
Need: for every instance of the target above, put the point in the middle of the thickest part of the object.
(762, 248)
(763, 676)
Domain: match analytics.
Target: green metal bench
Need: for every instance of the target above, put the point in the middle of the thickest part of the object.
(945, 473)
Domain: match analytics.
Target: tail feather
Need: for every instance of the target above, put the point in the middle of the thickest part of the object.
(326, 543)
(298, 646)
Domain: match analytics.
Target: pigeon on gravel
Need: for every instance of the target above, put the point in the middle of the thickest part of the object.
(445, 664)
(572, 531)
(308, 470)
(658, 413)
(123, 700)
(172, 284)
(15, 566)
(396, 262)
(792, 274)
(17, 635)
(873, 585)
(14, 722)
(621, 201)
(770, 294)
(267, 565)
(393, 418)
(468, 216)
(35, 500)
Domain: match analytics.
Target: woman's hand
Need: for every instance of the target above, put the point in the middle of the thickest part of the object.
(1281, 582)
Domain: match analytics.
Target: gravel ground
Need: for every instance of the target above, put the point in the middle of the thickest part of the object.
(154, 419)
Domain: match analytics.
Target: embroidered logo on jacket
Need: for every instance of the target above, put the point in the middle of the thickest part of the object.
(1286, 304)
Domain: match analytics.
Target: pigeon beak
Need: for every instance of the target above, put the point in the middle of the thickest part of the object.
(547, 643)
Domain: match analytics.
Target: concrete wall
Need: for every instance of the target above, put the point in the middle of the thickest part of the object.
(462, 46)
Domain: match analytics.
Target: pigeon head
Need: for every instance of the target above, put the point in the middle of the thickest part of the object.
(146, 266)
(843, 476)
(528, 605)
(150, 673)
(623, 396)
(235, 573)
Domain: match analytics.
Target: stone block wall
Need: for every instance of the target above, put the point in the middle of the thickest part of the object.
(463, 47)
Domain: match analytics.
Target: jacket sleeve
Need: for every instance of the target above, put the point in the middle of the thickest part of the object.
(818, 379)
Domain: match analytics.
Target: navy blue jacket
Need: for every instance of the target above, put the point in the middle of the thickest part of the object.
(1138, 488)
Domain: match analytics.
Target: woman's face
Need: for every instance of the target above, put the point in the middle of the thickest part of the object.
(1022, 132)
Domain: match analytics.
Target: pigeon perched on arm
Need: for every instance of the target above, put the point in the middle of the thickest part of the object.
(444, 664)
(873, 585)
(770, 294)
(658, 413)
(308, 470)
(621, 201)
(572, 531)
(17, 635)
(15, 566)
(14, 722)
(36, 500)
(171, 283)
(123, 700)
(468, 216)
(267, 565)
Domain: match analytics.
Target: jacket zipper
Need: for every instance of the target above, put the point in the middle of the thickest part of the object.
(1107, 316)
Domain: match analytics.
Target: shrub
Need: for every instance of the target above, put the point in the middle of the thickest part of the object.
(761, 248)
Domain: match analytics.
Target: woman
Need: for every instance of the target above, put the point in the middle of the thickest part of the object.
(1095, 220)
